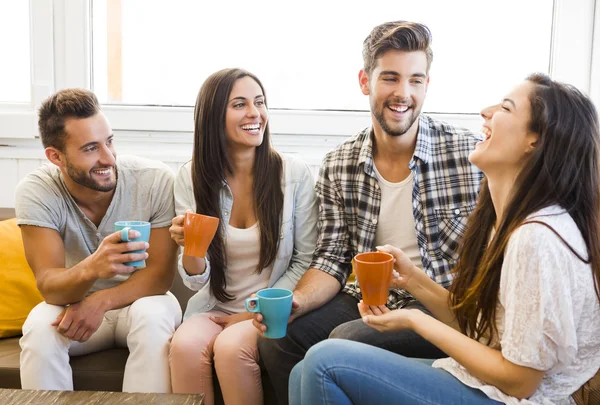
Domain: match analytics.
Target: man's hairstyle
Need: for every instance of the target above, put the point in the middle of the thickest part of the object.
(396, 35)
(62, 105)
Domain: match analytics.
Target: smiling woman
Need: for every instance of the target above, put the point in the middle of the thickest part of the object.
(246, 116)
(266, 207)
(508, 136)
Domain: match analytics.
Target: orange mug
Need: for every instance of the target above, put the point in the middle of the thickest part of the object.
(374, 273)
(198, 231)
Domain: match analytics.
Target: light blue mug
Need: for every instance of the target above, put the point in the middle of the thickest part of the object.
(275, 305)
(143, 228)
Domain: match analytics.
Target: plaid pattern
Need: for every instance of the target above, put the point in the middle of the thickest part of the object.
(444, 194)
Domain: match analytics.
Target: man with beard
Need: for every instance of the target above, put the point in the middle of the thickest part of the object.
(67, 213)
(405, 181)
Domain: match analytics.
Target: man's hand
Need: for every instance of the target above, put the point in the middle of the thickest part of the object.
(109, 259)
(227, 321)
(81, 320)
(296, 312)
(385, 320)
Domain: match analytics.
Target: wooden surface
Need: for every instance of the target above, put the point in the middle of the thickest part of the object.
(28, 397)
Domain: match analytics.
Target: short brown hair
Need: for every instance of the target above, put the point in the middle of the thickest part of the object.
(397, 35)
(56, 109)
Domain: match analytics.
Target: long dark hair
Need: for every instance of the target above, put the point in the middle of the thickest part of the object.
(563, 170)
(211, 165)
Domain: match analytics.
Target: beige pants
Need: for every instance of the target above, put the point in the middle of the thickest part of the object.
(145, 328)
(199, 342)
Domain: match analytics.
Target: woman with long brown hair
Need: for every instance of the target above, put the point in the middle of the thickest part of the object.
(267, 233)
(521, 321)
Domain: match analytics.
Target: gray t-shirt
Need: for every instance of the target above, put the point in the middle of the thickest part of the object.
(144, 192)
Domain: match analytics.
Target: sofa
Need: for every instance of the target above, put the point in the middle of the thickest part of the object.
(101, 371)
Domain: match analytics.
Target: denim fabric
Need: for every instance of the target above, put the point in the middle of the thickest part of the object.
(341, 372)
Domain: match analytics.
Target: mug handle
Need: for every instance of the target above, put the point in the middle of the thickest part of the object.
(125, 234)
(256, 305)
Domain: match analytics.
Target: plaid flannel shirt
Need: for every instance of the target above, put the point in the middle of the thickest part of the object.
(444, 194)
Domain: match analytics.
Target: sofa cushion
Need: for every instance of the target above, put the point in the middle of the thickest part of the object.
(17, 283)
(9, 363)
(101, 371)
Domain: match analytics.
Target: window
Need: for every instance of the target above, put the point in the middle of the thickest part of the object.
(15, 74)
(308, 55)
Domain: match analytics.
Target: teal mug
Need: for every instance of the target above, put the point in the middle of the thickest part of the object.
(275, 305)
(143, 228)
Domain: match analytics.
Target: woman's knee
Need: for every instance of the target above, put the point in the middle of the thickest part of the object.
(236, 345)
(192, 341)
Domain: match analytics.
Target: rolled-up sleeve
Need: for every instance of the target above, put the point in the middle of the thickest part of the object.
(332, 250)
(184, 200)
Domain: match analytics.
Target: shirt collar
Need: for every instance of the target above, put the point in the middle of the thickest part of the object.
(422, 149)
(365, 156)
(424, 134)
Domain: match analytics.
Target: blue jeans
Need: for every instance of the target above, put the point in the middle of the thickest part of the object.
(343, 372)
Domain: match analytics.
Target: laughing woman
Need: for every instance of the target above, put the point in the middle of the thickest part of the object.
(267, 209)
(521, 321)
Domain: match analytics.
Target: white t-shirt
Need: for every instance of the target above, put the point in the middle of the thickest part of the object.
(548, 315)
(243, 253)
(396, 225)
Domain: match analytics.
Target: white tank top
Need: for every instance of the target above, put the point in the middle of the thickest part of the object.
(396, 224)
(243, 253)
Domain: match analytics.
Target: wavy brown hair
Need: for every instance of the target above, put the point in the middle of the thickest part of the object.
(563, 170)
(396, 35)
(211, 165)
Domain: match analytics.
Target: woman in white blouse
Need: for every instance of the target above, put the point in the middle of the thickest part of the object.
(521, 322)
(267, 233)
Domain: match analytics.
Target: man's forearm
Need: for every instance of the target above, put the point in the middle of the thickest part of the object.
(315, 289)
(140, 284)
(66, 286)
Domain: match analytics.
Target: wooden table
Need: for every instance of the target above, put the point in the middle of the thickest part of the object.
(31, 397)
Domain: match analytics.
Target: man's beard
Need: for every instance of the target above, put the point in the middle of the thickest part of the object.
(380, 117)
(85, 179)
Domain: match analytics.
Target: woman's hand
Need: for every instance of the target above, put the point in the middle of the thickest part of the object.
(227, 321)
(176, 229)
(385, 320)
(404, 269)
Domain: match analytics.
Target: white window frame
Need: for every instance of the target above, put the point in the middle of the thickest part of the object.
(61, 57)
(18, 120)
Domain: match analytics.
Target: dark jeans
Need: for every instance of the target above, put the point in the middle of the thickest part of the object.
(339, 318)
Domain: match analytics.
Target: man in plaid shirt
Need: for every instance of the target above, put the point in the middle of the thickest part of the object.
(406, 181)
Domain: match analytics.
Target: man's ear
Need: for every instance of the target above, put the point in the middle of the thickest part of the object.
(55, 156)
(363, 81)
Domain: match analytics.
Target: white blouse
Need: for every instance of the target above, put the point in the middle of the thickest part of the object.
(548, 315)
